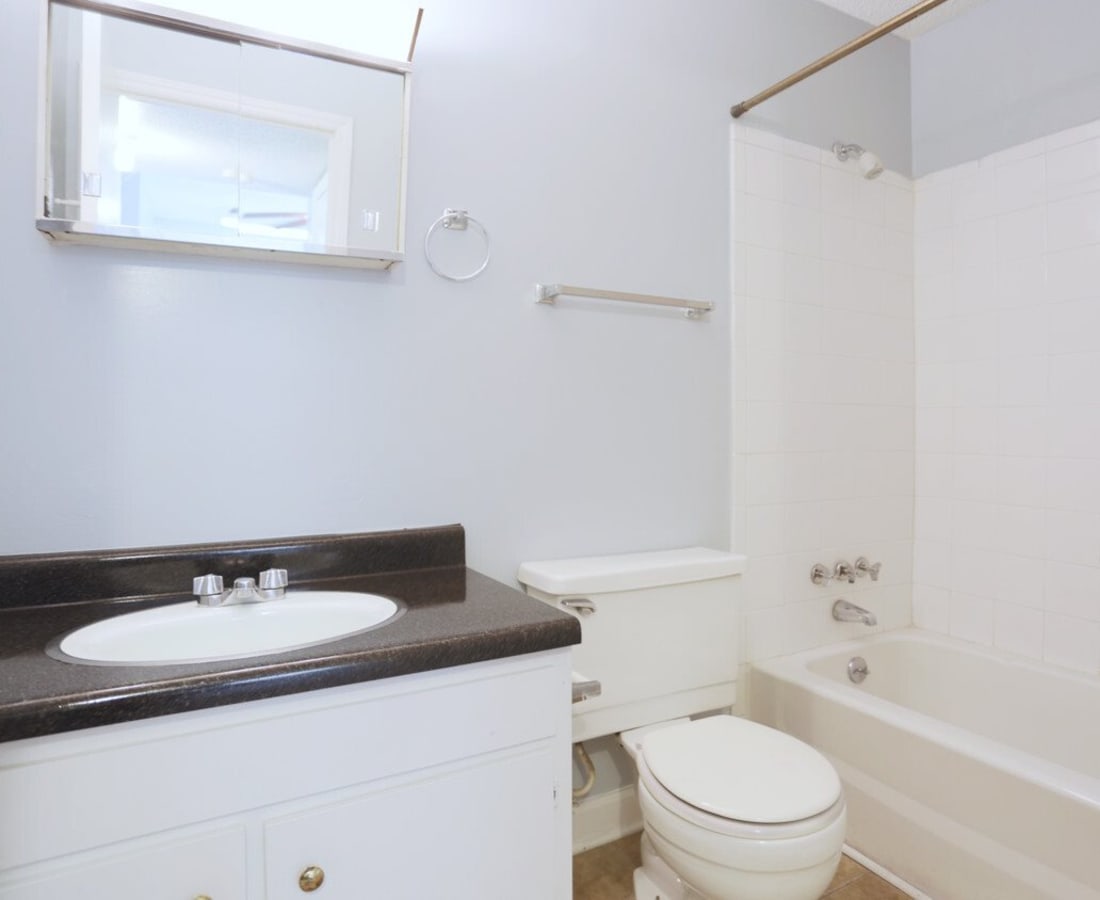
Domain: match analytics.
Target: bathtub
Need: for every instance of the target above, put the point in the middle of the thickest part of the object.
(970, 774)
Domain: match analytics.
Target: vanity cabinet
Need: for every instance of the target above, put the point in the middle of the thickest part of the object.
(452, 783)
(210, 865)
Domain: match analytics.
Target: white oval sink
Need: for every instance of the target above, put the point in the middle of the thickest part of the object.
(190, 633)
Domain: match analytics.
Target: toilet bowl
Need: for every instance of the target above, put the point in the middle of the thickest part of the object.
(734, 809)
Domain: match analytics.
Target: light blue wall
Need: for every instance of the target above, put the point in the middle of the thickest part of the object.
(150, 399)
(1005, 72)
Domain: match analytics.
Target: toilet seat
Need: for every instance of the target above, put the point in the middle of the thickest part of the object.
(735, 776)
(754, 831)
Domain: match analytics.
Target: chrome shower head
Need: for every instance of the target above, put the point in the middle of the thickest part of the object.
(869, 164)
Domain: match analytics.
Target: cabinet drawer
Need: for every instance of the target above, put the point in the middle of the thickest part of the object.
(210, 865)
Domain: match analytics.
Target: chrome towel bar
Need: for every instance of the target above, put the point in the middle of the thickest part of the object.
(548, 293)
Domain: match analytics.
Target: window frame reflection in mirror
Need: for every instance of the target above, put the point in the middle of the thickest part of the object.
(332, 191)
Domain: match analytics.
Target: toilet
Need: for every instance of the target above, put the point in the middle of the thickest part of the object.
(731, 809)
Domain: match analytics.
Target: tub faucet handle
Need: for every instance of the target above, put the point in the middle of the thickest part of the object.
(819, 574)
(843, 571)
(865, 567)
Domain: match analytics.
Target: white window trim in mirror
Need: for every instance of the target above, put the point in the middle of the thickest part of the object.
(337, 128)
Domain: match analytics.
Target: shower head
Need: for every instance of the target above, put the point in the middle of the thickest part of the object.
(869, 164)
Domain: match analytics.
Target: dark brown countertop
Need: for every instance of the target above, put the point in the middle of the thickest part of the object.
(453, 616)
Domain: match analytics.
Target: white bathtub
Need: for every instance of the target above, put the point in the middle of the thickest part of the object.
(971, 774)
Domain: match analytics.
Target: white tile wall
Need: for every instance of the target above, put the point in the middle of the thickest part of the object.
(824, 385)
(1007, 312)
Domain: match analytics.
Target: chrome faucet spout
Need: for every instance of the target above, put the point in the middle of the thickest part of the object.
(843, 611)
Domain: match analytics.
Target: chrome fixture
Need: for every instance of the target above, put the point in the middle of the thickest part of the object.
(843, 571)
(857, 669)
(210, 589)
(843, 611)
(585, 688)
(548, 293)
(582, 606)
(865, 567)
(869, 164)
(456, 220)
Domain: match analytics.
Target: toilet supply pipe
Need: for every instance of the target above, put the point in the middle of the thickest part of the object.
(589, 773)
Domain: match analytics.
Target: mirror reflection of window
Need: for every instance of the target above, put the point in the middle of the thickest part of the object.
(187, 134)
(167, 168)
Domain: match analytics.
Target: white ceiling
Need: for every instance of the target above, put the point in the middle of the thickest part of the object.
(878, 11)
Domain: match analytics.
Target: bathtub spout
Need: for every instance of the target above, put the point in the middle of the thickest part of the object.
(843, 611)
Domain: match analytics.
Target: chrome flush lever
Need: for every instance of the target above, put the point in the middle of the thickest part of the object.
(580, 605)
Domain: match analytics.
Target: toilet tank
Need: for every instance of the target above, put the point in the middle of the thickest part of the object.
(659, 631)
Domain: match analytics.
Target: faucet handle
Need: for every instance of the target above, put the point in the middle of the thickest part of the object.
(819, 574)
(272, 579)
(207, 588)
(843, 571)
(865, 567)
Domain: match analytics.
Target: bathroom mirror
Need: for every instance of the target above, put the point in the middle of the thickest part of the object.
(169, 131)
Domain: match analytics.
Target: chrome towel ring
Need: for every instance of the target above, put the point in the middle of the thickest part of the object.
(455, 220)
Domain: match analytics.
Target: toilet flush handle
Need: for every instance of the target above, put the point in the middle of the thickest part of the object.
(580, 605)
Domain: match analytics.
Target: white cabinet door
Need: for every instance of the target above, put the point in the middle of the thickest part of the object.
(482, 831)
(210, 865)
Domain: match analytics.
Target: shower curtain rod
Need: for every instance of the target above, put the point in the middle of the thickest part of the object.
(829, 58)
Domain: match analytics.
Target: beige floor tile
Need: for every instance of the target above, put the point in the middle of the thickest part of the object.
(848, 871)
(607, 873)
(868, 887)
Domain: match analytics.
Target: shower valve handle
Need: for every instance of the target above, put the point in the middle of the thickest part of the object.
(843, 571)
(866, 567)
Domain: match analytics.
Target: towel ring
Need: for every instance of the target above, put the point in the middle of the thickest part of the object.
(455, 220)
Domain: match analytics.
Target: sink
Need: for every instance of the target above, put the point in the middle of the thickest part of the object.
(190, 633)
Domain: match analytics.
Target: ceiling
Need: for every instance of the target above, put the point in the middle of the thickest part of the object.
(878, 11)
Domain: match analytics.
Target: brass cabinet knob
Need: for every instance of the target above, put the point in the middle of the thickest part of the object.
(311, 878)
(203, 897)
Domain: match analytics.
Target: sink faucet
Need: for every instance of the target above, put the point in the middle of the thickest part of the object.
(210, 589)
(843, 611)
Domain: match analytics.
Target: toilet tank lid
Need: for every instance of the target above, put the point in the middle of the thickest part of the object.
(629, 571)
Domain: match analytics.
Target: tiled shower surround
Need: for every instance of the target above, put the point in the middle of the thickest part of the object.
(1007, 260)
(824, 385)
(917, 380)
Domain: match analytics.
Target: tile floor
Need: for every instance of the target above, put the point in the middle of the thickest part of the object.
(607, 872)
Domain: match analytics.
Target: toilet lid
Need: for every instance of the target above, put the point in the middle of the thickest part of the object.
(741, 770)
